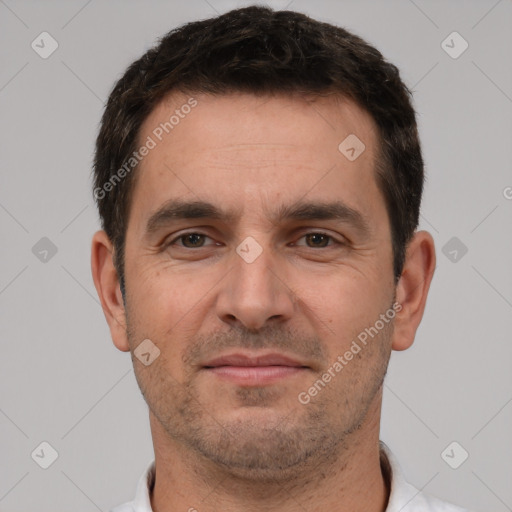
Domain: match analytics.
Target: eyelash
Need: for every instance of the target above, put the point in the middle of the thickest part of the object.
(183, 235)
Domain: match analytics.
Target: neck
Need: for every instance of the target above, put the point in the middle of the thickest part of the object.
(351, 480)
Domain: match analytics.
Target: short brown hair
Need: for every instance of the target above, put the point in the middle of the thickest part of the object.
(261, 51)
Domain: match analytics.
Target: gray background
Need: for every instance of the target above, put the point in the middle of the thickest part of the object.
(61, 379)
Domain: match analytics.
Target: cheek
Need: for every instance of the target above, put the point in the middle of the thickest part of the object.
(161, 292)
(168, 305)
(340, 295)
(341, 308)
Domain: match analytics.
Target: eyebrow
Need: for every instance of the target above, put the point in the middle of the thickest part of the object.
(176, 209)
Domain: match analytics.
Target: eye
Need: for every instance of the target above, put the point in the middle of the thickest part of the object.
(189, 240)
(196, 240)
(319, 240)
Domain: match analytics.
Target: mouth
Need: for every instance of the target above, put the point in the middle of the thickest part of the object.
(254, 369)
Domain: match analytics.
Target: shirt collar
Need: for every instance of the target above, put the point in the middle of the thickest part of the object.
(142, 502)
(402, 497)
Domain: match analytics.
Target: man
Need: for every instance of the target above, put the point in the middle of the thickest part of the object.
(259, 179)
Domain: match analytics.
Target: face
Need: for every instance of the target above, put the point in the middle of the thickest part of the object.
(258, 255)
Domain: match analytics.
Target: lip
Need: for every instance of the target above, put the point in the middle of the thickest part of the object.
(241, 359)
(254, 369)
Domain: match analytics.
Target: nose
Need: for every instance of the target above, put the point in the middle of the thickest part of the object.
(255, 293)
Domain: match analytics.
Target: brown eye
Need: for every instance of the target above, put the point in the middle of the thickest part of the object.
(317, 239)
(192, 240)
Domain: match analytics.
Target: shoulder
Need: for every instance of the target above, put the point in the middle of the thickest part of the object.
(404, 497)
(425, 502)
(125, 507)
(142, 501)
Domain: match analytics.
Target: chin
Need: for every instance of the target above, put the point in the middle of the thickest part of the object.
(263, 445)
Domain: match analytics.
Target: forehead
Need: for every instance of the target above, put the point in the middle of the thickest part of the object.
(274, 119)
(242, 148)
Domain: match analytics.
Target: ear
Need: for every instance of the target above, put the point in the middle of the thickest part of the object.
(107, 285)
(412, 288)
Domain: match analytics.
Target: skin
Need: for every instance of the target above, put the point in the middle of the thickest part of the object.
(219, 444)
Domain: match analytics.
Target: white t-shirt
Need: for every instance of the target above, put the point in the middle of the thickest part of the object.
(403, 496)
